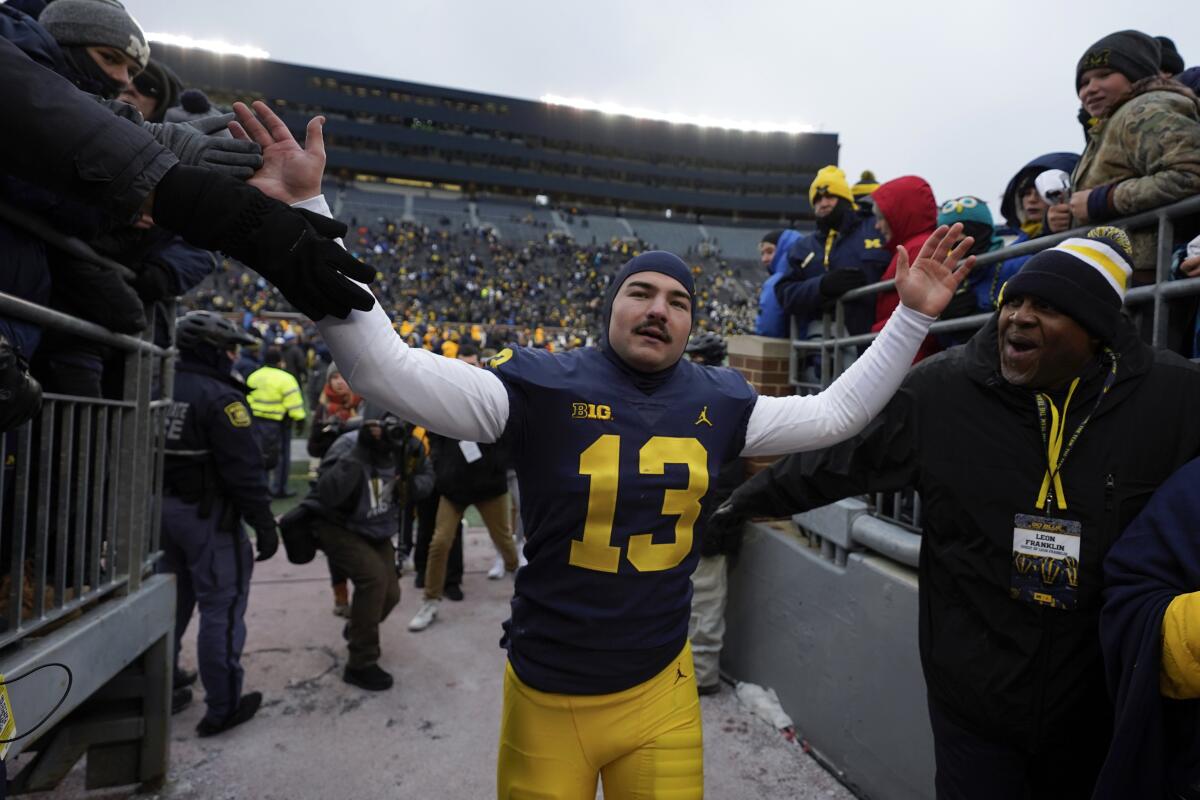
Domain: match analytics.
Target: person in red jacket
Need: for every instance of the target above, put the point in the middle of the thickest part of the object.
(906, 214)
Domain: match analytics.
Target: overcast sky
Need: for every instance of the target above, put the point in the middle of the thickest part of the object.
(961, 94)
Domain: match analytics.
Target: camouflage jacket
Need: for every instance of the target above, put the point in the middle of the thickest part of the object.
(1149, 145)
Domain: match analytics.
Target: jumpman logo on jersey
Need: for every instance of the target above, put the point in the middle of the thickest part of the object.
(704, 417)
(679, 674)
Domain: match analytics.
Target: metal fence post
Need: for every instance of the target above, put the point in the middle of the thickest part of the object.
(1162, 275)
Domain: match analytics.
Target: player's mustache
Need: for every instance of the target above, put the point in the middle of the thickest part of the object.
(659, 330)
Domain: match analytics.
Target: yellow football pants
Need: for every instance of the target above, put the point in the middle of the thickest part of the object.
(644, 743)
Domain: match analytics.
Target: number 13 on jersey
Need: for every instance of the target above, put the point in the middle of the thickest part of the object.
(601, 463)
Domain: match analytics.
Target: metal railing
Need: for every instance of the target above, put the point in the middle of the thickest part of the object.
(836, 349)
(79, 484)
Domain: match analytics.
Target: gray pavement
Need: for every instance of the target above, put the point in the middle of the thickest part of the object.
(434, 735)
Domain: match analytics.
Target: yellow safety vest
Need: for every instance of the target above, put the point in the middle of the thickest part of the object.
(274, 394)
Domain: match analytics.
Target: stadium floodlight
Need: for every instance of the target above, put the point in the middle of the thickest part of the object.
(541, 200)
(211, 45)
(703, 121)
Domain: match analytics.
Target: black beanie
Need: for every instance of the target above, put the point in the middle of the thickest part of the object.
(1171, 61)
(1085, 278)
(1134, 54)
(159, 83)
(652, 261)
(772, 237)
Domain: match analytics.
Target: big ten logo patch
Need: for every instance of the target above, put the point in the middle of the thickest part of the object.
(591, 411)
(176, 415)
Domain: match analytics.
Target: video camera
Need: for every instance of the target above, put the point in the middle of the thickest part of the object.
(1054, 186)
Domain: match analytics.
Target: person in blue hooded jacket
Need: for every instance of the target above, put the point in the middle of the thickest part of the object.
(1024, 209)
(844, 253)
(772, 320)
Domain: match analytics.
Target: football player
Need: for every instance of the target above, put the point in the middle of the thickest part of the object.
(615, 448)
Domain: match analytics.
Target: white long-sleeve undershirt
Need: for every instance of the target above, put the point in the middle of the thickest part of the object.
(460, 401)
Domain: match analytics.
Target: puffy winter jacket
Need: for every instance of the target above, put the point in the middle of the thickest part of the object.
(911, 212)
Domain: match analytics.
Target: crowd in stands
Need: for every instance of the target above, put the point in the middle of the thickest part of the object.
(441, 283)
(1141, 131)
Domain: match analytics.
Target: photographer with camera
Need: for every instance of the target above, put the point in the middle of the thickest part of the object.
(359, 492)
(336, 406)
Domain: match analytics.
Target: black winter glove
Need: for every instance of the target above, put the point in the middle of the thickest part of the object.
(266, 541)
(724, 528)
(837, 282)
(156, 281)
(195, 144)
(98, 294)
(20, 394)
(292, 248)
(961, 305)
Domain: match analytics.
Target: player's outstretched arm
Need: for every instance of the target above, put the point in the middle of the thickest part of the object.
(446, 396)
(780, 425)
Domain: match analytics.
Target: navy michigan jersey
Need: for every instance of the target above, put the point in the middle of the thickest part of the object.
(613, 498)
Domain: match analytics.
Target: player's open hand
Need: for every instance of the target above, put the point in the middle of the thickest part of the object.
(929, 283)
(290, 173)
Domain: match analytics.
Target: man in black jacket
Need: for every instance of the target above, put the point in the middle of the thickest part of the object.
(1032, 447)
(468, 474)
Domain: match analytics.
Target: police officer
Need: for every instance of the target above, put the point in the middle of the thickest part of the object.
(213, 480)
(276, 402)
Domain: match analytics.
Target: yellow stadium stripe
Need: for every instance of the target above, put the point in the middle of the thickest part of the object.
(1119, 275)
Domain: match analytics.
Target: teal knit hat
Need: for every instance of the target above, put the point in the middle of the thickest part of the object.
(964, 210)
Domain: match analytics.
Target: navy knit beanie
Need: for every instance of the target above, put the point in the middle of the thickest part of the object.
(1134, 54)
(653, 261)
(1085, 278)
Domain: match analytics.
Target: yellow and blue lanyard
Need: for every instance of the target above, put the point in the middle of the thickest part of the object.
(1052, 436)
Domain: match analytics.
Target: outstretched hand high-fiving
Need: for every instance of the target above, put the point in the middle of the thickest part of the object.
(289, 173)
(254, 223)
(929, 282)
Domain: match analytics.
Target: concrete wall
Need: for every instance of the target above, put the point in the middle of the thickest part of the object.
(839, 646)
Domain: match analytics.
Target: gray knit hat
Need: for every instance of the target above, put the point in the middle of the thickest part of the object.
(96, 23)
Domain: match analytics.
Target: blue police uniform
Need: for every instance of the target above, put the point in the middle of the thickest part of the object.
(213, 479)
(613, 486)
